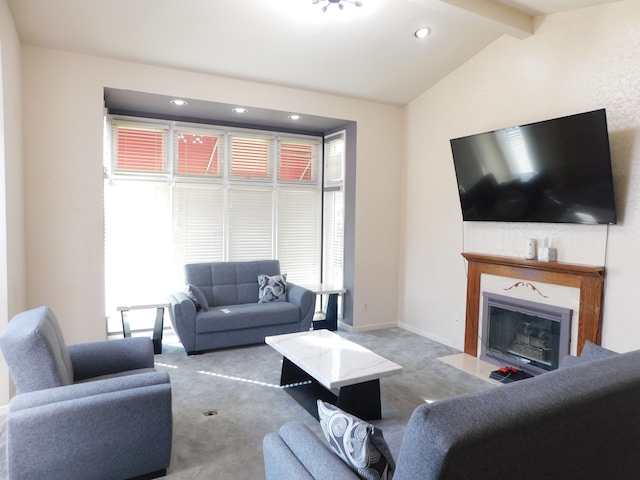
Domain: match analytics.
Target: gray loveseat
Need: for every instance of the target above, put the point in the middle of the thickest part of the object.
(89, 411)
(231, 314)
(579, 422)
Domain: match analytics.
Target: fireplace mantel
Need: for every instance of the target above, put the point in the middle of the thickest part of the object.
(589, 279)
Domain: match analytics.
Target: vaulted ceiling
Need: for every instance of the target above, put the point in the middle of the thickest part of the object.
(367, 52)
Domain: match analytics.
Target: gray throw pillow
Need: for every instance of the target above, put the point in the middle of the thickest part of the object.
(197, 297)
(590, 352)
(272, 289)
(359, 444)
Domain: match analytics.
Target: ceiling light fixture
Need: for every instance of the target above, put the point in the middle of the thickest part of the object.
(422, 32)
(337, 2)
(178, 102)
(240, 110)
(294, 117)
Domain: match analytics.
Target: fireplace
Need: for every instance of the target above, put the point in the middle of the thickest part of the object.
(529, 336)
(588, 279)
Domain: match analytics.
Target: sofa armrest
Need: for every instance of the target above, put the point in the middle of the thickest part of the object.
(38, 398)
(182, 313)
(306, 300)
(104, 429)
(112, 356)
(296, 450)
(279, 462)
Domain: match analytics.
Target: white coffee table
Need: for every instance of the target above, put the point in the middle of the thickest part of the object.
(320, 364)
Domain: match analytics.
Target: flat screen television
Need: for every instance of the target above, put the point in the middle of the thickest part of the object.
(554, 171)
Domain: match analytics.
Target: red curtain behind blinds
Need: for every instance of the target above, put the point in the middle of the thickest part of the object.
(140, 150)
(295, 161)
(198, 154)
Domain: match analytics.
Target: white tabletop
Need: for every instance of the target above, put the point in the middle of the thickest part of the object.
(325, 288)
(331, 359)
(139, 306)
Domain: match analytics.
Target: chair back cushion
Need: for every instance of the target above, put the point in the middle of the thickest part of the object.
(229, 283)
(35, 351)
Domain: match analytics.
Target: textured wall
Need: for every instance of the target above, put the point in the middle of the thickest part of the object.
(575, 62)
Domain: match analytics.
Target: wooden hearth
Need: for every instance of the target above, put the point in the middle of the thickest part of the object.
(589, 279)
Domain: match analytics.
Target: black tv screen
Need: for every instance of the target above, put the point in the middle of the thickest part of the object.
(555, 171)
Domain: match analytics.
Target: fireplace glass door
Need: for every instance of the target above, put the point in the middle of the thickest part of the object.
(530, 336)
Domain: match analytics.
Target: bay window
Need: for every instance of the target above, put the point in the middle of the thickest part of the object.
(179, 193)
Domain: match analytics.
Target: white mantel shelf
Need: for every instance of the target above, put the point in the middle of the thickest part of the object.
(589, 279)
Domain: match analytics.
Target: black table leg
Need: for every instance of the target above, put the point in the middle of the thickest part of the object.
(331, 317)
(157, 330)
(361, 400)
(126, 329)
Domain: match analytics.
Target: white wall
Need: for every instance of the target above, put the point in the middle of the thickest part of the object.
(575, 62)
(12, 283)
(63, 105)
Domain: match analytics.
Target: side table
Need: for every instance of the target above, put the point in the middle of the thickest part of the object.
(330, 321)
(157, 327)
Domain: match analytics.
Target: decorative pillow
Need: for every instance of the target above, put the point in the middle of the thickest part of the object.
(272, 289)
(590, 352)
(359, 444)
(196, 295)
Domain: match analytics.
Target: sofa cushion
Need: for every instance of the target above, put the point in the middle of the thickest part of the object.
(197, 297)
(359, 444)
(229, 283)
(272, 288)
(248, 315)
(590, 352)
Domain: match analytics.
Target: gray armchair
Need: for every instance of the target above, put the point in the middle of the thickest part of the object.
(91, 411)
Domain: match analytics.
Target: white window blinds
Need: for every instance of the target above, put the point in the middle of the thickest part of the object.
(139, 148)
(333, 201)
(198, 228)
(298, 234)
(251, 157)
(224, 195)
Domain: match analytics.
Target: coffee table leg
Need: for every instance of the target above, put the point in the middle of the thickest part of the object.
(361, 400)
(291, 373)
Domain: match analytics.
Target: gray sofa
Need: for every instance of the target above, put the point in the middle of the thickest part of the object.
(90, 411)
(577, 422)
(231, 314)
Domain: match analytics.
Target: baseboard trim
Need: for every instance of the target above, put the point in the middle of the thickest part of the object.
(435, 338)
(366, 328)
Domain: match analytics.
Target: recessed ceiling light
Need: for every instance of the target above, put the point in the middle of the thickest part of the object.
(422, 32)
(178, 102)
(294, 117)
(240, 110)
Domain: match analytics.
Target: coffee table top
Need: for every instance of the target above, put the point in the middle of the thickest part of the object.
(331, 359)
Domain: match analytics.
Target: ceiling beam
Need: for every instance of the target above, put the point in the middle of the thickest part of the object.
(498, 16)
